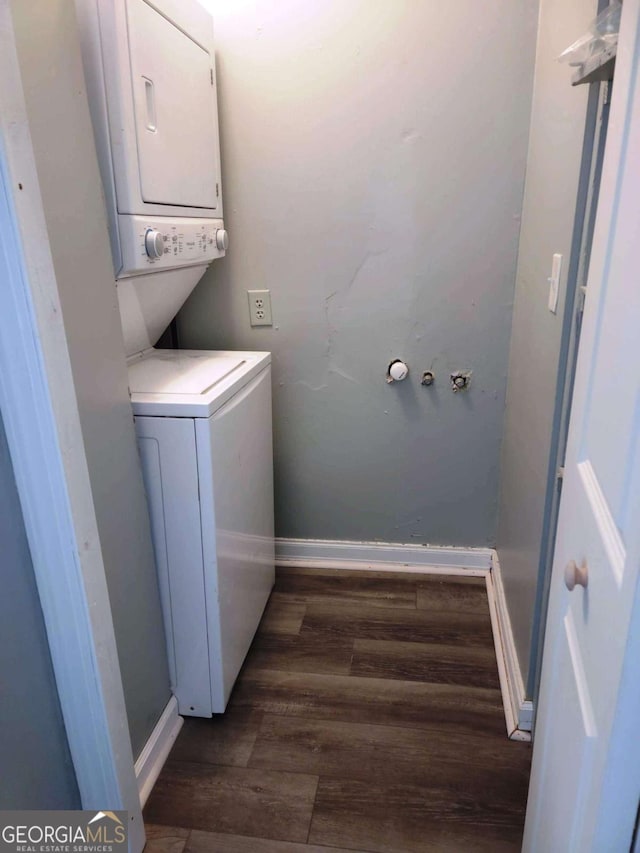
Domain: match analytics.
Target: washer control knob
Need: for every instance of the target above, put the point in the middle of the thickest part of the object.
(154, 243)
(222, 239)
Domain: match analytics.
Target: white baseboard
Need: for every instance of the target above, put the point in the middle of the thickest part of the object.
(157, 748)
(382, 556)
(518, 711)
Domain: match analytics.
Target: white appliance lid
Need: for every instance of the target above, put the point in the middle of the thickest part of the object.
(180, 372)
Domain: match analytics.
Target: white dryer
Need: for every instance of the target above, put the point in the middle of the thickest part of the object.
(150, 73)
(203, 421)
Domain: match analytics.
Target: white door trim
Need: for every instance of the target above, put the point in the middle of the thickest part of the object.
(40, 412)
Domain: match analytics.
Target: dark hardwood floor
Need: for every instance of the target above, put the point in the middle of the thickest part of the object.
(367, 717)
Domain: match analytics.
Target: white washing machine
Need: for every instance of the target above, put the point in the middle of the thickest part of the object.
(203, 421)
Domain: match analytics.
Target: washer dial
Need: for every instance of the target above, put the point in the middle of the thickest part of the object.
(154, 243)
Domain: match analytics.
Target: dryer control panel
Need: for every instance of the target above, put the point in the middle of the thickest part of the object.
(153, 243)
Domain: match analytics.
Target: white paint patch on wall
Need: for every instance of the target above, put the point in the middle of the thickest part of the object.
(373, 159)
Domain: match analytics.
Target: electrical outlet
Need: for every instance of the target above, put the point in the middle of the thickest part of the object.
(260, 307)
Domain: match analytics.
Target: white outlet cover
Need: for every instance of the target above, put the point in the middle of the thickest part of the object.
(260, 307)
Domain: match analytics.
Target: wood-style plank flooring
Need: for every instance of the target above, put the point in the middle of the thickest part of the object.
(367, 717)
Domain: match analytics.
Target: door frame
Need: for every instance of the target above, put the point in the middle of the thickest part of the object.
(590, 170)
(590, 173)
(41, 417)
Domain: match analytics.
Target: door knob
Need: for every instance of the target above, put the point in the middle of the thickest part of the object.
(575, 575)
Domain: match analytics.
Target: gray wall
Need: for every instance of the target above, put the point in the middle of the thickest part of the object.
(553, 164)
(373, 159)
(49, 55)
(35, 765)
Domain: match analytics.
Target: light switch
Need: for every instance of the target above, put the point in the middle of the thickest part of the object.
(554, 282)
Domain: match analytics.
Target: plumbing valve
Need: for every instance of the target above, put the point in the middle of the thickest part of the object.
(397, 371)
(460, 380)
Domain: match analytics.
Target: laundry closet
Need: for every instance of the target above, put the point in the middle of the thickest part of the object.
(321, 269)
(367, 256)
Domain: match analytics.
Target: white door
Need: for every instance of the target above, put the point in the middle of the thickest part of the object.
(585, 775)
(174, 99)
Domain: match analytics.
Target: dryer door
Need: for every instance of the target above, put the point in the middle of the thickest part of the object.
(175, 113)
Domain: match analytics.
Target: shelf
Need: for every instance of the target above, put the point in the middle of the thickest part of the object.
(598, 68)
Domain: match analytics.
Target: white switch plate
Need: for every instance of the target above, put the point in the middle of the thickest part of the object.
(260, 307)
(554, 282)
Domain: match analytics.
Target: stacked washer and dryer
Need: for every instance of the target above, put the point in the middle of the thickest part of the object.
(203, 419)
